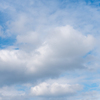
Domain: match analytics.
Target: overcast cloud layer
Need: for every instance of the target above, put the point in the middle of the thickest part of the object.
(49, 50)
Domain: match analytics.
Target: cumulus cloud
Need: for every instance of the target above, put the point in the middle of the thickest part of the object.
(62, 50)
(54, 89)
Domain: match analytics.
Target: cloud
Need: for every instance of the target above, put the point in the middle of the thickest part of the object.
(54, 89)
(10, 93)
(52, 39)
(62, 50)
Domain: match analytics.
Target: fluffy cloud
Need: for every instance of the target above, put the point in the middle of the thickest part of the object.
(62, 50)
(54, 89)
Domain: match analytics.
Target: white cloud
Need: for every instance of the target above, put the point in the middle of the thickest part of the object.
(55, 89)
(69, 41)
(62, 50)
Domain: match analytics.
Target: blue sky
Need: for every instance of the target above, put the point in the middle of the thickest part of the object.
(49, 50)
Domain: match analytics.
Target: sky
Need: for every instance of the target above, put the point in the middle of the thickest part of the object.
(49, 50)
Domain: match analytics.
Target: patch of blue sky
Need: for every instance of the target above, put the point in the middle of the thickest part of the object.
(75, 3)
(92, 1)
(69, 74)
(90, 83)
(22, 88)
(91, 87)
(4, 18)
(89, 53)
(87, 82)
(7, 41)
